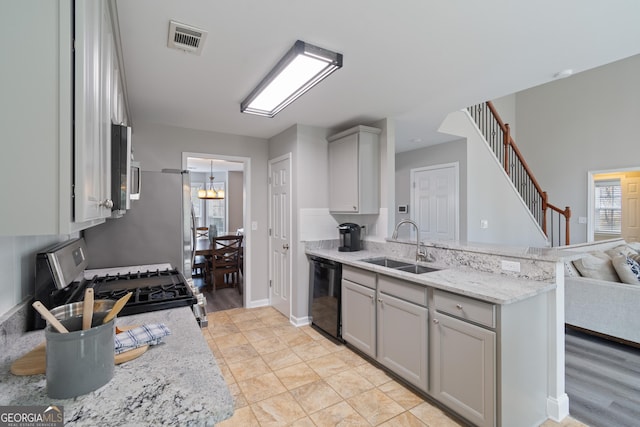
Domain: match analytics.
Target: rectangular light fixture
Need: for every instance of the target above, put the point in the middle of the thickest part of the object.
(301, 68)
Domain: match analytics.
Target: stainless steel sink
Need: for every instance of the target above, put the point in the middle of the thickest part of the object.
(386, 262)
(400, 265)
(417, 269)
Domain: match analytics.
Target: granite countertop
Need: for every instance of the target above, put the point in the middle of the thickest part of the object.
(177, 382)
(494, 288)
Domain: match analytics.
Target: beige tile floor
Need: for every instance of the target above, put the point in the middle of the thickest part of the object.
(279, 374)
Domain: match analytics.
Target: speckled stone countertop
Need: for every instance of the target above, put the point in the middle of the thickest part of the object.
(177, 382)
(464, 280)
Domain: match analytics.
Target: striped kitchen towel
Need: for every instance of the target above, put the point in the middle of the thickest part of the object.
(150, 334)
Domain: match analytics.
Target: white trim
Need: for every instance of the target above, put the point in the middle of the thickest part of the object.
(456, 195)
(591, 196)
(258, 303)
(300, 321)
(558, 409)
(292, 245)
(246, 220)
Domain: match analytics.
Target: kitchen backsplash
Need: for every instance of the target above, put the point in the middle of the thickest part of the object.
(17, 264)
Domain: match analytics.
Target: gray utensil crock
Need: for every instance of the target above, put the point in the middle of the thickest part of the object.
(79, 362)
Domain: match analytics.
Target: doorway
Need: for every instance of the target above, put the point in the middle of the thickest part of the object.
(435, 201)
(614, 205)
(227, 215)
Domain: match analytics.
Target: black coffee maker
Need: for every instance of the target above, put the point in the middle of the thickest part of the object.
(349, 237)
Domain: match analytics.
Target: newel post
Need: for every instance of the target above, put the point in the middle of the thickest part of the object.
(506, 139)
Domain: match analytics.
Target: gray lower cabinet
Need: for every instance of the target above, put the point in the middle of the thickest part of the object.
(484, 361)
(463, 368)
(359, 316)
(402, 339)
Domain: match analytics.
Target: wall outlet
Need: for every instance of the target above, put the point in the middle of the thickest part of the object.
(582, 220)
(254, 225)
(484, 223)
(511, 266)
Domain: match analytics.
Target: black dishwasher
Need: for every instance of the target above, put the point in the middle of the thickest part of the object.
(325, 295)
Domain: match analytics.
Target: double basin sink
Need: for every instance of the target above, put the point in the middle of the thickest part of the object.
(400, 265)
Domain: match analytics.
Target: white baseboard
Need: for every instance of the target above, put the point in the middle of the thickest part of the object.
(258, 303)
(300, 321)
(558, 409)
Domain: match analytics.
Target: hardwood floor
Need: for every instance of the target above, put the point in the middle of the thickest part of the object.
(602, 381)
(222, 299)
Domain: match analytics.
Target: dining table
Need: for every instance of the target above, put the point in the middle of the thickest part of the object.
(204, 247)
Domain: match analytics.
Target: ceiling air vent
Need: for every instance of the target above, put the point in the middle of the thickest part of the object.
(186, 37)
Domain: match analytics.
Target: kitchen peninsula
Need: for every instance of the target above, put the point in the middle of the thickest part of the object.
(482, 334)
(177, 382)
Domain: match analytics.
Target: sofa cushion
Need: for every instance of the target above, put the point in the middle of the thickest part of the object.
(621, 249)
(636, 257)
(627, 268)
(635, 246)
(597, 265)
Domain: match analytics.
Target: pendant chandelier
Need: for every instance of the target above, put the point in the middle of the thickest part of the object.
(211, 193)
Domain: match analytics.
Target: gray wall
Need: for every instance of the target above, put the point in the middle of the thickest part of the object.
(160, 146)
(17, 264)
(235, 196)
(587, 122)
(455, 151)
(309, 175)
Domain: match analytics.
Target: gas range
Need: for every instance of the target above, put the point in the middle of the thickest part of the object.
(151, 289)
(154, 287)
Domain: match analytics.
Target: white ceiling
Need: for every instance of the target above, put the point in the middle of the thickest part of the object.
(411, 60)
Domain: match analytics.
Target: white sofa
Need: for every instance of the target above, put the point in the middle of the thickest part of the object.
(605, 307)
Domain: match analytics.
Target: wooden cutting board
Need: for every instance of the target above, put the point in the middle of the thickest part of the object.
(35, 361)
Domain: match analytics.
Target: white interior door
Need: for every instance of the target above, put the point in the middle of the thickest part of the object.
(630, 209)
(434, 198)
(280, 233)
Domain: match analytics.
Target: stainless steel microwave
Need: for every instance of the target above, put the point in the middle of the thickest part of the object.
(134, 181)
(120, 169)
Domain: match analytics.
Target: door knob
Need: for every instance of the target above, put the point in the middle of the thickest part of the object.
(285, 246)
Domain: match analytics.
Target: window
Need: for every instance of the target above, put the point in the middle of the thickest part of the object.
(608, 207)
(209, 212)
(197, 204)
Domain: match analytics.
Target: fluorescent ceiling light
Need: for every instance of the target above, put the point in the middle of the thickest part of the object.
(298, 71)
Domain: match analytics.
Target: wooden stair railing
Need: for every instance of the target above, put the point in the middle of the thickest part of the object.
(498, 136)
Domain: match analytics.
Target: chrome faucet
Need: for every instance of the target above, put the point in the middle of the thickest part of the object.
(421, 255)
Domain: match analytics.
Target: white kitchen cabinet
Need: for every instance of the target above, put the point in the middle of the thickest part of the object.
(93, 107)
(37, 116)
(402, 339)
(354, 165)
(359, 309)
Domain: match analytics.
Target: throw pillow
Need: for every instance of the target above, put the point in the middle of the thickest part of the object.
(622, 249)
(636, 258)
(628, 269)
(597, 265)
(635, 246)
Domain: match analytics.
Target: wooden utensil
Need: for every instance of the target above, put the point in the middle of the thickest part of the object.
(119, 305)
(35, 361)
(46, 314)
(87, 309)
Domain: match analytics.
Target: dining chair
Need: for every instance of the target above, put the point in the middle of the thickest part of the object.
(225, 256)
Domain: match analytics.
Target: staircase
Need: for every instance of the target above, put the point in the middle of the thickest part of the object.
(553, 221)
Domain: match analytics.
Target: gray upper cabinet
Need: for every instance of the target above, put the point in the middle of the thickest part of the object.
(93, 105)
(354, 169)
(37, 116)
